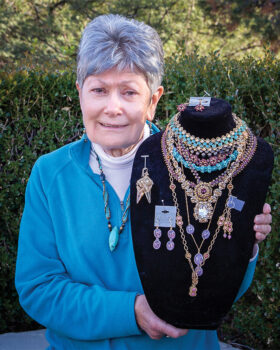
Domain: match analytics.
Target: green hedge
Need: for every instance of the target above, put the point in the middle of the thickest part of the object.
(40, 112)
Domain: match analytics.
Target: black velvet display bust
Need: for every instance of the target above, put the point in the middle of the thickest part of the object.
(166, 275)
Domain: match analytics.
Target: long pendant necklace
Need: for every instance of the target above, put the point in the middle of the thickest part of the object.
(199, 258)
(114, 231)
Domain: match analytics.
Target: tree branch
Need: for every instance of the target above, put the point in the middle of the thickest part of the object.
(250, 46)
(58, 4)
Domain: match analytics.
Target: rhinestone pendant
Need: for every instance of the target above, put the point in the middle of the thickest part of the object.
(203, 211)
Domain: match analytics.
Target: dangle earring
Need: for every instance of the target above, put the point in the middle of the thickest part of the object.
(171, 235)
(182, 106)
(199, 107)
(144, 184)
(225, 219)
(157, 234)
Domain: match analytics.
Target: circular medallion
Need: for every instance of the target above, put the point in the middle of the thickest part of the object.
(203, 191)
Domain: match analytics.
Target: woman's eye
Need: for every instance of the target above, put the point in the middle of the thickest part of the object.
(130, 92)
(98, 90)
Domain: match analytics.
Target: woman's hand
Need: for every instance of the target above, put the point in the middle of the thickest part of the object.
(153, 325)
(262, 223)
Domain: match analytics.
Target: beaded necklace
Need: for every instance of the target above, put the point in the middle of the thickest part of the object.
(206, 144)
(114, 231)
(208, 166)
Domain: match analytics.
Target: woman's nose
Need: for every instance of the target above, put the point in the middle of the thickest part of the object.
(113, 106)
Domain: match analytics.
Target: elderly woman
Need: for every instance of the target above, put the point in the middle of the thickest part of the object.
(67, 278)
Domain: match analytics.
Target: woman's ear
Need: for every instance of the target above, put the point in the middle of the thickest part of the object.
(78, 88)
(154, 101)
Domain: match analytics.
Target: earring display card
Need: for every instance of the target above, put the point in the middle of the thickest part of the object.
(165, 216)
(235, 203)
(205, 101)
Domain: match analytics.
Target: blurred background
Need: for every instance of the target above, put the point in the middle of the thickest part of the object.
(47, 30)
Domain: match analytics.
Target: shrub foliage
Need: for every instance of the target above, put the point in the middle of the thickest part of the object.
(40, 112)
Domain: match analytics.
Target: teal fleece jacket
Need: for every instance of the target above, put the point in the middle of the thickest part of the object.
(67, 278)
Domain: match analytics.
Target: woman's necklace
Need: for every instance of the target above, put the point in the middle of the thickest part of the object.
(114, 231)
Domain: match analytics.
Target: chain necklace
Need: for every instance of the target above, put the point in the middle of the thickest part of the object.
(114, 231)
(199, 259)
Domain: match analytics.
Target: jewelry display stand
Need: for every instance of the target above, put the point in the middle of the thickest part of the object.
(165, 272)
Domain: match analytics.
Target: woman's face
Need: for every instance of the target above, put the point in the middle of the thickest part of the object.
(115, 107)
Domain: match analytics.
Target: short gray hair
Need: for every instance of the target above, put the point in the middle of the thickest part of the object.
(113, 41)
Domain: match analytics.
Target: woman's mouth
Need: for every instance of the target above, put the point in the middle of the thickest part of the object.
(112, 126)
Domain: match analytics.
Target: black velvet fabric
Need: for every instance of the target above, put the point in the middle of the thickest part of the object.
(213, 121)
(166, 275)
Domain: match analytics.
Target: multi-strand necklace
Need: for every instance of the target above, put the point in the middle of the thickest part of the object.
(234, 149)
(202, 194)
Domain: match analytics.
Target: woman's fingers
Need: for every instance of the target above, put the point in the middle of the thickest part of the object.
(260, 237)
(171, 331)
(263, 229)
(266, 208)
(153, 325)
(262, 223)
(263, 219)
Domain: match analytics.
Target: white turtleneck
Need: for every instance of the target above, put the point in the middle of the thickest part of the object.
(117, 170)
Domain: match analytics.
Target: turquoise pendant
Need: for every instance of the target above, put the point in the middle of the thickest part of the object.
(114, 238)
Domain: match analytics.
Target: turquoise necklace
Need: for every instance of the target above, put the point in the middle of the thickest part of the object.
(114, 231)
(203, 169)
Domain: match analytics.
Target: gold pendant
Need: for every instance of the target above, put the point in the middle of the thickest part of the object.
(144, 186)
(203, 191)
(202, 196)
